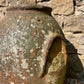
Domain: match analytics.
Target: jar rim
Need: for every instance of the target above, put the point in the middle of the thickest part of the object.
(44, 9)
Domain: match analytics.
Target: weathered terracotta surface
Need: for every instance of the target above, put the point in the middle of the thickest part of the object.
(32, 48)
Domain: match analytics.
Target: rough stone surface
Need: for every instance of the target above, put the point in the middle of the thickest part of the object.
(62, 7)
(17, 2)
(26, 2)
(2, 2)
(73, 81)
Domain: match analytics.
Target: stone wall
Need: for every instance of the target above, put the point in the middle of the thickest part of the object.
(70, 16)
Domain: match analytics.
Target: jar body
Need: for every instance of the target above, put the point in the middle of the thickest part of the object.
(32, 48)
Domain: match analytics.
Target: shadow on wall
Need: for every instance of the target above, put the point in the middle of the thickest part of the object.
(75, 67)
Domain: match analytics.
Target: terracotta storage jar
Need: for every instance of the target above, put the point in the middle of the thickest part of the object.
(32, 47)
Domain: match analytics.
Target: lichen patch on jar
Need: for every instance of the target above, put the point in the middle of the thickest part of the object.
(24, 64)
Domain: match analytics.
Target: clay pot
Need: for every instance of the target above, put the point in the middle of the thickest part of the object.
(32, 47)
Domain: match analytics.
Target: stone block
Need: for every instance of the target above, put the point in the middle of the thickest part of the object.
(81, 49)
(31, 2)
(74, 24)
(3, 2)
(62, 7)
(12, 2)
(21, 2)
(2, 12)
